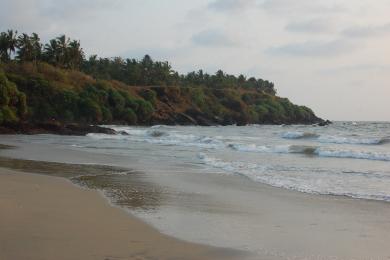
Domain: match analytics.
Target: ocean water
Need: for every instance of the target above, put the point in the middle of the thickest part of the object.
(346, 158)
(205, 177)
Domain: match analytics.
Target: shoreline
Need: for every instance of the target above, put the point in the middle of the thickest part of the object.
(45, 217)
(267, 219)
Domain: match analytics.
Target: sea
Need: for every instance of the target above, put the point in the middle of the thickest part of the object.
(180, 177)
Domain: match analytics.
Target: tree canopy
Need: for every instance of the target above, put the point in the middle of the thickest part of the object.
(66, 53)
(54, 81)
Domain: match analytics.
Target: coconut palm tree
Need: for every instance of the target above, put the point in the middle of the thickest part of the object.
(3, 47)
(52, 52)
(25, 48)
(36, 46)
(75, 55)
(8, 44)
(63, 44)
(12, 42)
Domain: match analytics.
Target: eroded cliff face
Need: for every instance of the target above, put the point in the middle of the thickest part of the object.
(207, 106)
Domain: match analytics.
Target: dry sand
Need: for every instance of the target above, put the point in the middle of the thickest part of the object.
(44, 217)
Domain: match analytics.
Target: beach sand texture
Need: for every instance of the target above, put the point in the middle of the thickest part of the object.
(44, 217)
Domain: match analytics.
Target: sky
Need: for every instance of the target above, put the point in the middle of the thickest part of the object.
(330, 55)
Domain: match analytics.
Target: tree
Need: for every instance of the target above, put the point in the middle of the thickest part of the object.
(147, 70)
(36, 47)
(8, 44)
(3, 47)
(52, 52)
(25, 48)
(75, 55)
(63, 43)
(12, 42)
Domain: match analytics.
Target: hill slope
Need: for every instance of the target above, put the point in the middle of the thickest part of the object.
(41, 93)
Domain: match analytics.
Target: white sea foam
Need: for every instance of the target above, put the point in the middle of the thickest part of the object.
(313, 150)
(234, 167)
(299, 135)
(303, 180)
(349, 140)
(260, 148)
(335, 139)
(157, 136)
(367, 155)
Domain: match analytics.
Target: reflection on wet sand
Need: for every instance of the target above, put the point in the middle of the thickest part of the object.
(125, 187)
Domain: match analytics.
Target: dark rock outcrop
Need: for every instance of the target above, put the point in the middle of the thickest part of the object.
(54, 128)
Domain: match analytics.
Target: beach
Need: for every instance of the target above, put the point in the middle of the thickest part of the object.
(46, 217)
(266, 192)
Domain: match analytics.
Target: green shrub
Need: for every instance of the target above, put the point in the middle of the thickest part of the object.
(106, 114)
(4, 98)
(262, 112)
(22, 105)
(145, 111)
(129, 116)
(116, 100)
(198, 97)
(132, 103)
(9, 115)
(149, 95)
(90, 110)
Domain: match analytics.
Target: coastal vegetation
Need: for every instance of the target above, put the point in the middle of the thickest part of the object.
(55, 82)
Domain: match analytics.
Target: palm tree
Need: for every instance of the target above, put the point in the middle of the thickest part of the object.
(52, 52)
(63, 43)
(12, 42)
(3, 47)
(25, 48)
(8, 44)
(75, 55)
(36, 46)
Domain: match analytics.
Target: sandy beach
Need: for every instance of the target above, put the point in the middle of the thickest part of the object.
(49, 218)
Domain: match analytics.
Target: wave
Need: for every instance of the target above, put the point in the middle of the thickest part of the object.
(377, 156)
(302, 180)
(349, 140)
(299, 135)
(313, 151)
(156, 136)
(160, 136)
(234, 167)
(335, 139)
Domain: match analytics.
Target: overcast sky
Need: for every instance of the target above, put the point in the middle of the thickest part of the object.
(333, 56)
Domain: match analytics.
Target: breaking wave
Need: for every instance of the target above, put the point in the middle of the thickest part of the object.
(299, 135)
(314, 151)
(156, 136)
(335, 139)
(302, 180)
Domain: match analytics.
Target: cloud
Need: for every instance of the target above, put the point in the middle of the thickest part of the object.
(367, 31)
(312, 48)
(310, 26)
(212, 37)
(301, 6)
(277, 6)
(70, 8)
(358, 69)
(156, 52)
(231, 5)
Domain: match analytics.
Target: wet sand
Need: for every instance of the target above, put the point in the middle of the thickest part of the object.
(72, 223)
(43, 217)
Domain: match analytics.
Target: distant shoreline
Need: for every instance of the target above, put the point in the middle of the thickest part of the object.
(77, 129)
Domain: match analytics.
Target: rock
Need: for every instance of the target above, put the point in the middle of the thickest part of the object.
(184, 119)
(325, 123)
(123, 133)
(54, 128)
